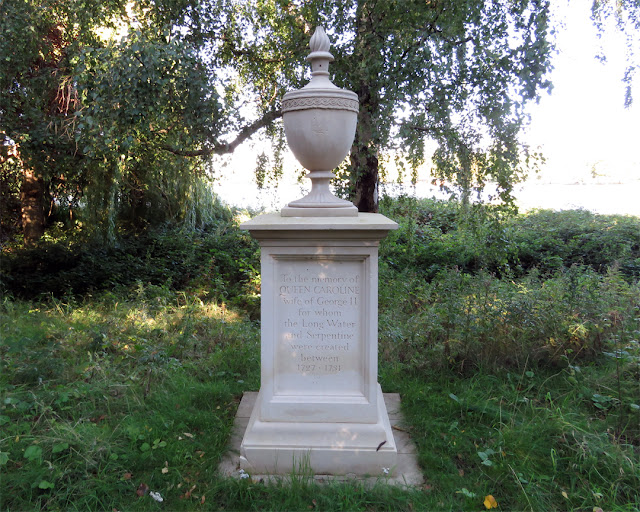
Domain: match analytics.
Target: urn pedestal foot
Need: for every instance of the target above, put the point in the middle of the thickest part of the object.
(291, 211)
(276, 448)
(320, 201)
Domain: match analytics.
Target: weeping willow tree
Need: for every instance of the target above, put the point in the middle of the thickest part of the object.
(117, 106)
(153, 92)
(97, 105)
(456, 73)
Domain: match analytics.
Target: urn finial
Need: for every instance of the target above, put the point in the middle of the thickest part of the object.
(320, 124)
(319, 41)
(319, 56)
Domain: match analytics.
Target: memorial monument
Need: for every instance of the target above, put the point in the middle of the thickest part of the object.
(320, 406)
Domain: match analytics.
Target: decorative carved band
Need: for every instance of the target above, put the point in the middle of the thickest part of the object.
(320, 102)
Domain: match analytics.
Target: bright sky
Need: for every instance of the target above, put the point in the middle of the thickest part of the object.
(583, 122)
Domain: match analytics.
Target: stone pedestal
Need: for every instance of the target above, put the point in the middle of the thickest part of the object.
(320, 406)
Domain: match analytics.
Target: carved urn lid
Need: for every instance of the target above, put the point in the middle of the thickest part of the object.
(320, 92)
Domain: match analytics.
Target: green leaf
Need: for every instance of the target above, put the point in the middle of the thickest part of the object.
(4, 458)
(57, 448)
(46, 485)
(4, 419)
(33, 452)
(145, 447)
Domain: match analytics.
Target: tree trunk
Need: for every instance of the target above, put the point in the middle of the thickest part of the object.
(364, 166)
(364, 151)
(32, 206)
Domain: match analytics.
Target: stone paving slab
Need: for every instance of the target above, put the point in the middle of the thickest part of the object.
(407, 472)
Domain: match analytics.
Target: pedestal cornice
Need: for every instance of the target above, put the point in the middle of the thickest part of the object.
(366, 226)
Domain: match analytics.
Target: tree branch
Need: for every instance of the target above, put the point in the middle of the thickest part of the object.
(229, 147)
(418, 128)
(237, 52)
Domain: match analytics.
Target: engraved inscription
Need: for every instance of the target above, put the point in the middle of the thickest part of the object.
(318, 325)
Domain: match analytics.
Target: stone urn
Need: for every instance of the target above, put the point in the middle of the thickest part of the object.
(320, 124)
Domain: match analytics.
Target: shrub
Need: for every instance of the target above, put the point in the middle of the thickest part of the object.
(468, 320)
(435, 235)
(220, 258)
(549, 240)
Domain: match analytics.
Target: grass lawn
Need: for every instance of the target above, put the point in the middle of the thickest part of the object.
(103, 401)
(520, 386)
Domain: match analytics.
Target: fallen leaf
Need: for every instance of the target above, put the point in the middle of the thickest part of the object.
(142, 490)
(565, 495)
(165, 470)
(127, 476)
(490, 502)
(188, 493)
(597, 509)
(461, 472)
(202, 500)
(190, 436)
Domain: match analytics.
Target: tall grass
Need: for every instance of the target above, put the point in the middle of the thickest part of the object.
(518, 377)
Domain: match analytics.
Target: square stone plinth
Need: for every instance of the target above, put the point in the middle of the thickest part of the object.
(320, 407)
(283, 447)
(405, 471)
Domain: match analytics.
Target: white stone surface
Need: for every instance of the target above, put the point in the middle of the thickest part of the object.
(405, 473)
(320, 124)
(320, 403)
(320, 138)
(329, 448)
(366, 226)
(326, 210)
